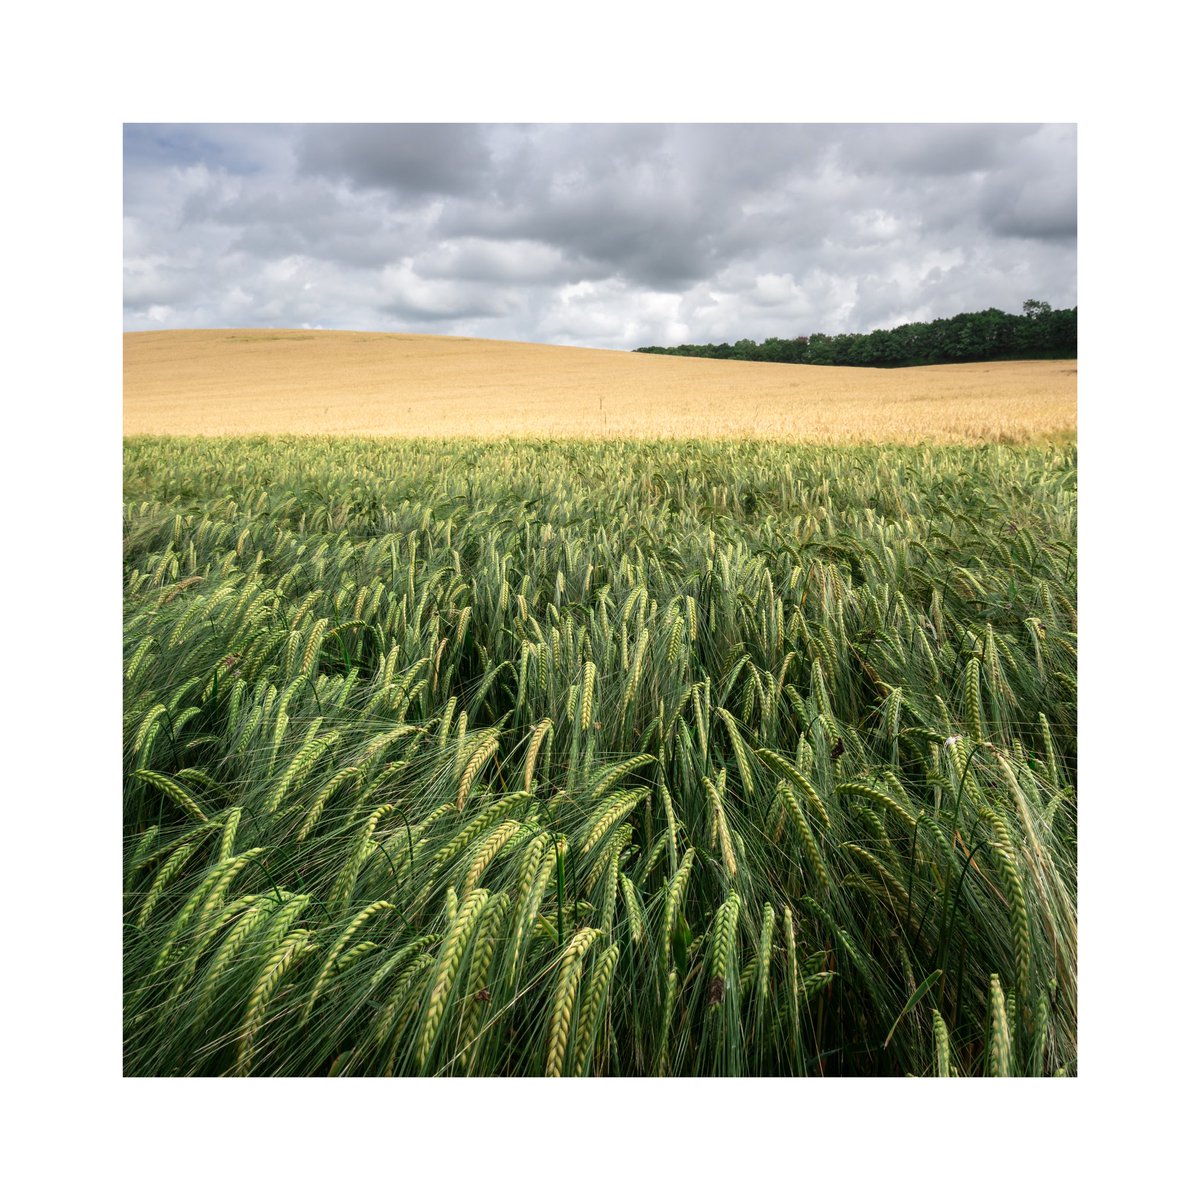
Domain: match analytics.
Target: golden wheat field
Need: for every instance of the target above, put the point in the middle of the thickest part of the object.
(273, 381)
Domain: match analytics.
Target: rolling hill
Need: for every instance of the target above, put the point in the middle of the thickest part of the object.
(274, 381)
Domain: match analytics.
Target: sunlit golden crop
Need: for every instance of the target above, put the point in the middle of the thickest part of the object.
(376, 384)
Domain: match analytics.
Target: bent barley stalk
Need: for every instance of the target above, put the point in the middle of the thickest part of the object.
(453, 947)
(714, 795)
(490, 848)
(591, 1011)
(295, 945)
(569, 974)
(488, 746)
(327, 967)
(544, 726)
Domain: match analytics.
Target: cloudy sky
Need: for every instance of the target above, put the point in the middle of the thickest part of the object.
(597, 235)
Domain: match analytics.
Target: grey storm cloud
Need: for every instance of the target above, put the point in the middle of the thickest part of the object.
(409, 159)
(603, 235)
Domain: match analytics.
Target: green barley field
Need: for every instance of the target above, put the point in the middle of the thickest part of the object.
(598, 758)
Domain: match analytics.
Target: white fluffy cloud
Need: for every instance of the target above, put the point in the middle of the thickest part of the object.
(594, 235)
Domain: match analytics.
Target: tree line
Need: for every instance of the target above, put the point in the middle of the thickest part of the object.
(1038, 331)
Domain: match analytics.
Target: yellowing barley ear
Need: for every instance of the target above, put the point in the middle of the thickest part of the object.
(488, 746)
(538, 865)
(618, 808)
(974, 708)
(635, 671)
(793, 973)
(739, 751)
(633, 909)
(565, 990)
(232, 820)
(312, 646)
(675, 643)
(175, 791)
(714, 795)
(605, 780)
(796, 779)
(674, 898)
(1018, 912)
(592, 1007)
(587, 692)
(166, 873)
(543, 728)
(668, 1010)
(763, 962)
(1037, 1053)
(668, 807)
(611, 874)
(453, 948)
(300, 767)
(445, 725)
(460, 631)
(724, 948)
(1000, 1059)
(881, 798)
(294, 946)
(490, 848)
(362, 849)
(941, 1045)
(215, 883)
(260, 913)
(811, 850)
(343, 940)
(345, 775)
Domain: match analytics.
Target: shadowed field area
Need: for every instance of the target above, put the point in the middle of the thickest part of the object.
(264, 381)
